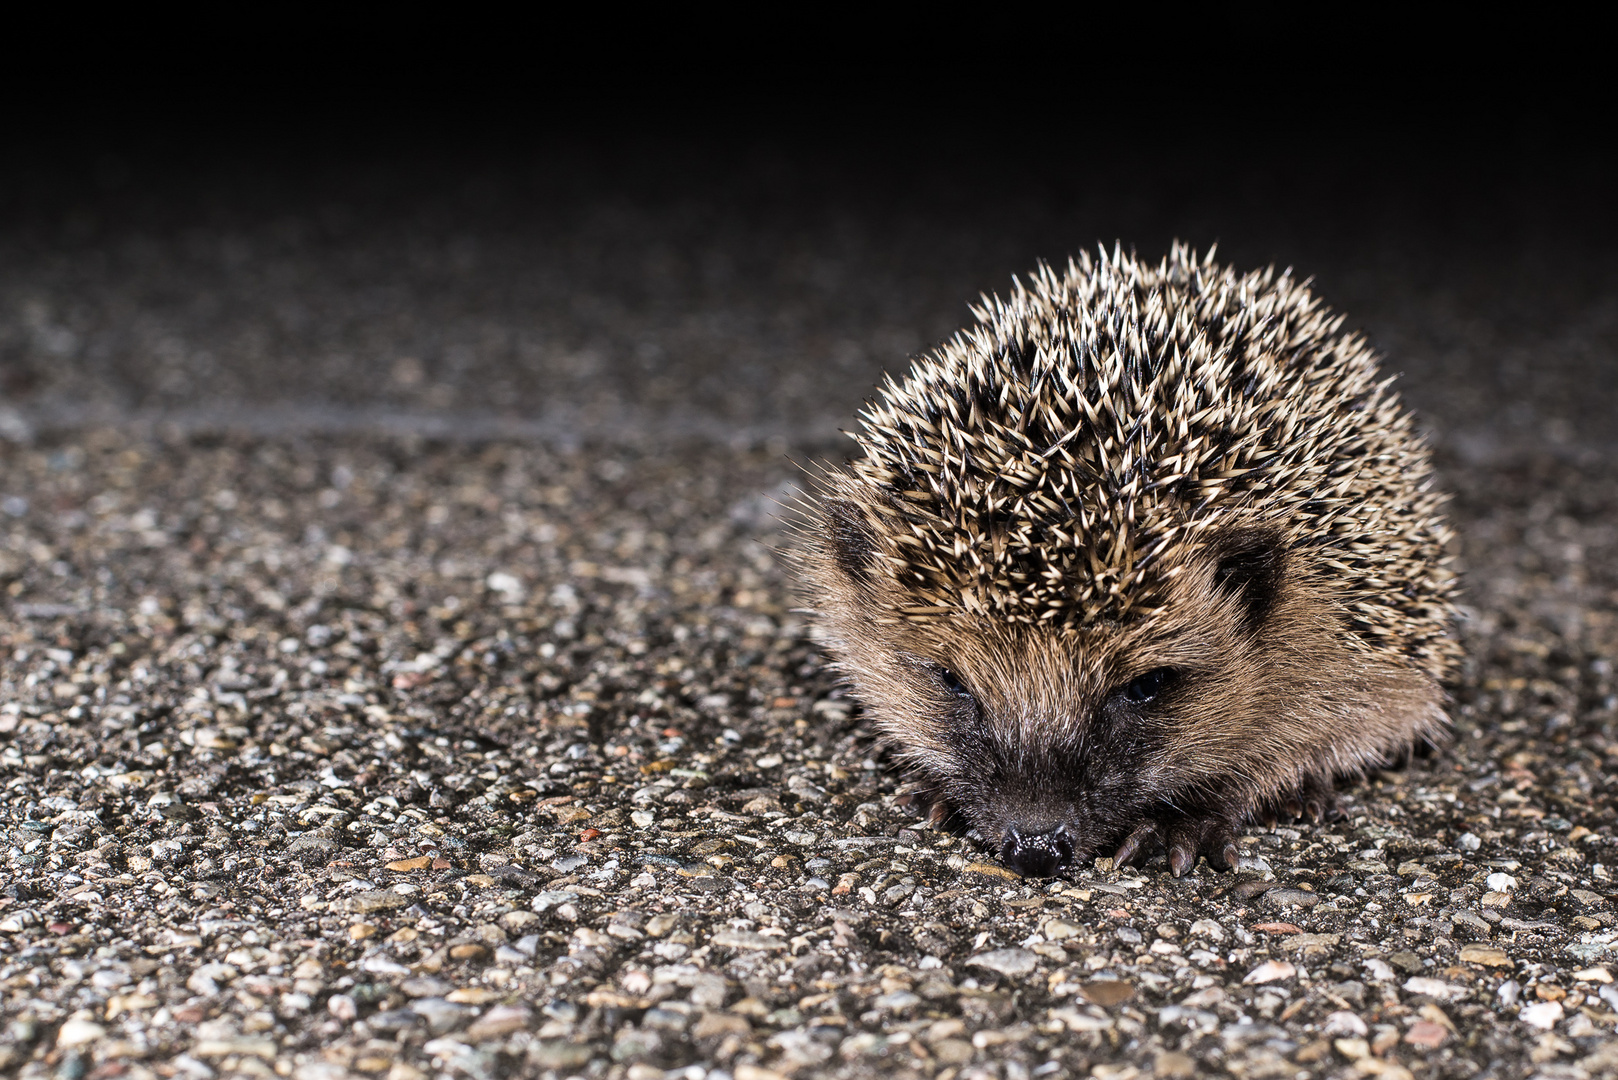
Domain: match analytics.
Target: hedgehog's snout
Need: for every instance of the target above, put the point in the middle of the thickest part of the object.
(1037, 854)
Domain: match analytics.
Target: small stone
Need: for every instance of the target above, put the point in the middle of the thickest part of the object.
(717, 1025)
(342, 1007)
(1487, 955)
(361, 931)
(1344, 1022)
(378, 900)
(404, 866)
(1435, 988)
(423, 987)
(471, 995)
(207, 978)
(1285, 898)
(744, 939)
(1499, 882)
(468, 951)
(1244, 891)
(498, 1021)
(1317, 1051)
(991, 870)
(1060, 929)
(224, 1048)
(1542, 1014)
(1427, 1035)
(1270, 971)
(79, 1032)
(441, 1016)
(1311, 944)
(1468, 842)
(1594, 974)
(1407, 962)
(559, 1055)
(1009, 962)
(1106, 992)
(1174, 1065)
(1494, 899)
(1353, 1049)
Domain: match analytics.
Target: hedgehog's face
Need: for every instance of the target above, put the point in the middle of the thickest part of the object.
(1055, 746)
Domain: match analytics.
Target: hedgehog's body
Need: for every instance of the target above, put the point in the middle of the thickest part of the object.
(1147, 551)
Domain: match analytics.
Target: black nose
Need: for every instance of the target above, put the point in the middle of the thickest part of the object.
(1037, 854)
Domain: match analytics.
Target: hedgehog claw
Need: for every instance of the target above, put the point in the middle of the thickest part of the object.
(1137, 844)
(1182, 857)
(1186, 839)
(1319, 798)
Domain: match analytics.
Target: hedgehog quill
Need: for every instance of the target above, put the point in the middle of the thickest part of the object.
(1146, 553)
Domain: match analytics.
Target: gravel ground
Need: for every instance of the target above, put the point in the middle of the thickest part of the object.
(419, 746)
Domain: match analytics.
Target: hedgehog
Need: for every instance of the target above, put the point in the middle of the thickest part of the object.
(1144, 555)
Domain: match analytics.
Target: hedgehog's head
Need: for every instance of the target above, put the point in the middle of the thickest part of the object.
(1053, 743)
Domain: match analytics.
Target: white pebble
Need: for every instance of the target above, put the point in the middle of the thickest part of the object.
(1542, 1014)
(1500, 882)
(1270, 971)
(79, 1032)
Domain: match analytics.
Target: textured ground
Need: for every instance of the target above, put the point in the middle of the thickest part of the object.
(397, 678)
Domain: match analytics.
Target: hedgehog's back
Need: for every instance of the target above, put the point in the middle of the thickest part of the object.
(1045, 464)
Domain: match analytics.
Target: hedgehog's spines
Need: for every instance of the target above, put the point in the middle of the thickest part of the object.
(1117, 406)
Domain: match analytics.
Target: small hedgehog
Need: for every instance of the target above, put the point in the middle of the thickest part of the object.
(1146, 553)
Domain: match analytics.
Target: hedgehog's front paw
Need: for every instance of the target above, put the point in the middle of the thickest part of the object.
(930, 803)
(1315, 800)
(1186, 836)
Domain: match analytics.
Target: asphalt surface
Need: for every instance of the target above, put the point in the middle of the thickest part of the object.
(399, 678)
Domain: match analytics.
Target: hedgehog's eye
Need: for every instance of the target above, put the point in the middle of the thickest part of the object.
(1146, 687)
(952, 682)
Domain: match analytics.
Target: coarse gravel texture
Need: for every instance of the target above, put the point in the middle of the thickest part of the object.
(429, 746)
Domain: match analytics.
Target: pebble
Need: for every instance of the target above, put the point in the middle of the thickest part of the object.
(498, 1021)
(1435, 988)
(79, 1032)
(1009, 962)
(1270, 971)
(1106, 992)
(1542, 1014)
(1487, 955)
(1426, 1035)
(1342, 1022)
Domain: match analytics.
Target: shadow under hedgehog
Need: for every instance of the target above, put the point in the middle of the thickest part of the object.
(1145, 553)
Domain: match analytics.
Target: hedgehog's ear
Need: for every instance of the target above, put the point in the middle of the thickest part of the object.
(853, 541)
(1250, 567)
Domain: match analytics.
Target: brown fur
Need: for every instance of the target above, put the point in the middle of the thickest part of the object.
(1007, 679)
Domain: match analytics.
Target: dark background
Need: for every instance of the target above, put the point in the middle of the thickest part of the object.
(424, 242)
